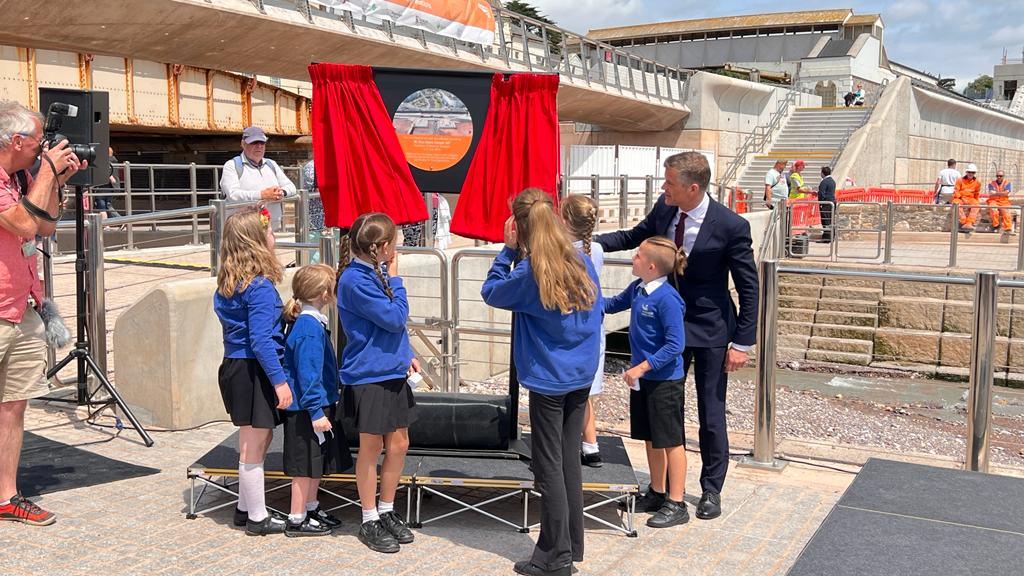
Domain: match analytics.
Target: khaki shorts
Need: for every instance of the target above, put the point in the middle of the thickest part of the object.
(23, 358)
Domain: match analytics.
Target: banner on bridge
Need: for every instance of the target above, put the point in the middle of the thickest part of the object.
(466, 20)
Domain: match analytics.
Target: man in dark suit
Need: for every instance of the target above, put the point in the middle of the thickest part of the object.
(718, 337)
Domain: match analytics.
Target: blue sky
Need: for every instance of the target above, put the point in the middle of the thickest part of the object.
(954, 38)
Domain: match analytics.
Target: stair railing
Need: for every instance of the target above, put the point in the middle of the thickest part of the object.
(758, 138)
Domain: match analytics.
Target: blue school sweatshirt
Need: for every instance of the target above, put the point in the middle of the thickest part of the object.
(655, 328)
(554, 353)
(253, 327)
(310, 366)
(377, 344)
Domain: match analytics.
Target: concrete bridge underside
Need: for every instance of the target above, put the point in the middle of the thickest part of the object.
(234, 35)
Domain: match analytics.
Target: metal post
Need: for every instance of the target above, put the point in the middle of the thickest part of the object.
(764, 389)
(954, 233)
(48, 245)
(783, 231)
(623, 199)
(195, 201)
(1020, 240)
(428, 224)
(130, 240)
(302, 257)
(96, 289)
(526, 45)
(217, 219)
(979, 398)
(595, 188)
(563, 188)
(152, 195)
(329, 256)
(890, 214)
(501, 37)
(648, 193)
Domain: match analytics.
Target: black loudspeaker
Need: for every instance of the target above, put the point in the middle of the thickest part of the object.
(91, 126)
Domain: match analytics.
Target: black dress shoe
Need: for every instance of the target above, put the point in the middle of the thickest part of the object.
(710, 506)
(308, 527)
(269, 525)
(324, 518)
(528, 568)
(377, 538)
(592, 460)
(649, 501)
(240, 518)
(395, 524)
(670, 514)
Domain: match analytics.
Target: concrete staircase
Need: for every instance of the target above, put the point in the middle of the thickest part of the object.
(813, 135)
(827, 323)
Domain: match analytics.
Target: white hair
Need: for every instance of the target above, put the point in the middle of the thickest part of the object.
(16, 119)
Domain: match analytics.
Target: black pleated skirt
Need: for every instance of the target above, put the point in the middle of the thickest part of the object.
(379, 407)
(249, 397)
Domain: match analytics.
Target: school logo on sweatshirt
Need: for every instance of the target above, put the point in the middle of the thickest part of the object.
(646, 310)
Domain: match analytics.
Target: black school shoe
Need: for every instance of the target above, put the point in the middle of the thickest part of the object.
(670, 514)
(308, 527)
(394, 524)
(710, 506)
(269, 525)
(592, 460)
(324, 518)
(528, 568)
(650, 501)
(377, 538)
(240, 517)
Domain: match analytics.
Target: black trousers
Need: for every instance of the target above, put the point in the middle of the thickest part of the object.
(556, 423)
(826, 218)
(709, 372)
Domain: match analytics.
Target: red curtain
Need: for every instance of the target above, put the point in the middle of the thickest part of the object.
(360, 166)
(518, 149)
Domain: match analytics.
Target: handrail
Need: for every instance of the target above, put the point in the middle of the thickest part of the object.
(849, 131)
(751, 144)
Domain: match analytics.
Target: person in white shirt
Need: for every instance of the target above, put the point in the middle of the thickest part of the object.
(946, 182)
(251, 177)
(776, 188)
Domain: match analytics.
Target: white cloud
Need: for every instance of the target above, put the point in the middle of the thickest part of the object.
(582, 15)
(904, 11)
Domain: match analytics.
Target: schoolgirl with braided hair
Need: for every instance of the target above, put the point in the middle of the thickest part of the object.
(375, 363)
(579, 213)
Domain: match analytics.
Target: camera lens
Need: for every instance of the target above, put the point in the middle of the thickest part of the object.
(84, 152)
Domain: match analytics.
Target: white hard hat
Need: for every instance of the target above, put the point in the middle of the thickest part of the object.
(971, 168)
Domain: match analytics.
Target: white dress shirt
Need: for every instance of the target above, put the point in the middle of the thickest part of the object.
(694, 218)
(254, 179)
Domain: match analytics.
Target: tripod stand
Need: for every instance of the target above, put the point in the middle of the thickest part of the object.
(81, 350)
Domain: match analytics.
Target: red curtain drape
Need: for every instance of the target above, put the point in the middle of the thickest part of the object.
(360, 166)
(518, 149)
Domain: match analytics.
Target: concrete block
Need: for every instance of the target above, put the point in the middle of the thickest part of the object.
(805, 290)
(787, 354)
(853, 282)
(852, 293)
(845, 318)
(956, 351)
(906, 346)
(839, 357)
(833, 305)
(915, 289)
(840, 345)
(795, 328)
(850, 332)
(796, 314)
(793, 341)
(958, 317)
(800, 279)
(910, 313)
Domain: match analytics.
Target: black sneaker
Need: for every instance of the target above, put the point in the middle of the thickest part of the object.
(269, 525)
(324, 518)
(649, 501)
(592, 460)
(394, 524)
(377, 538)
(240, 518)
(308, 527)
(670, 514)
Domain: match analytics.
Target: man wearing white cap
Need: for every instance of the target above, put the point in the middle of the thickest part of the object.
(968, 193)
(251, 177)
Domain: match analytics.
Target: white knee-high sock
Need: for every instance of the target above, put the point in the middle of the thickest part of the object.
(242, 504)
(250, 482)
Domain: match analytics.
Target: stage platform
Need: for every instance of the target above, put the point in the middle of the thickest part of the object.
(898, 518)
(446, 477)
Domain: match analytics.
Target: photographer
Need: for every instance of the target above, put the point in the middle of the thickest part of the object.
(28, 208)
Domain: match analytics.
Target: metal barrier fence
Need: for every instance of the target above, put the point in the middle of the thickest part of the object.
(979, 402)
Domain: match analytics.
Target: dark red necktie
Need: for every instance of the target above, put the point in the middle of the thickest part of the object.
(681, 229)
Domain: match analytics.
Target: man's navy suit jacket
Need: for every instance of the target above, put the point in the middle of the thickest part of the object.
(723, 246)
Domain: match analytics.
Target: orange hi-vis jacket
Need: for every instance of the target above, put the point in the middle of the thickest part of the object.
(996, 189)
(967, 191)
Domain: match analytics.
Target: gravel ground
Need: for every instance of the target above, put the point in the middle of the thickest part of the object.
(810, 415)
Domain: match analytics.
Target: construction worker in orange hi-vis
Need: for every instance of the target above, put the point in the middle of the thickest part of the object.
(968, 192)
(999, 191)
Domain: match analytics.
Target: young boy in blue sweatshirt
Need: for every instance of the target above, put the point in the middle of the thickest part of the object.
(656, 340)
(312, 445)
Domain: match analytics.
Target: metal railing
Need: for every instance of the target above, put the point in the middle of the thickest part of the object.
(537, 46)
(979, 400)
(759, 137)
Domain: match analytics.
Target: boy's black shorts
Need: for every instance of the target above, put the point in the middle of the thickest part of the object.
(656, 413)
